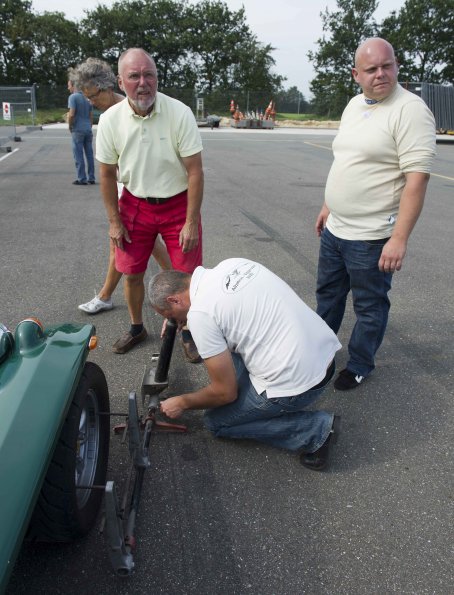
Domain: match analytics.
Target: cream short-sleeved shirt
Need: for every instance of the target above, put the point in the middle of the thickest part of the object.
(149, 150)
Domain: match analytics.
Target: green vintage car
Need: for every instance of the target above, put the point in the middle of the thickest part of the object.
(54, 435)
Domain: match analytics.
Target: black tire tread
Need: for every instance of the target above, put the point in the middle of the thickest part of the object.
(56, 516)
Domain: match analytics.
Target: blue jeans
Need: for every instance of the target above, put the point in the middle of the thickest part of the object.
(82, 142)
(277, 422)
(346, 265)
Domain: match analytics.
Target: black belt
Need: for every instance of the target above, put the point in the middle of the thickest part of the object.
(151, 200)
(328, 376)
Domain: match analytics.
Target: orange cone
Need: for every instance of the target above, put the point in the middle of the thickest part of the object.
(268, 111)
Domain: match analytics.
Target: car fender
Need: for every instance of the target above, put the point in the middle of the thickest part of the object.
(37, 383)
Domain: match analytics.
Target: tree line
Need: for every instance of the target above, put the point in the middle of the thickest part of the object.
(205, 45)
(210, 48)
(421, 33)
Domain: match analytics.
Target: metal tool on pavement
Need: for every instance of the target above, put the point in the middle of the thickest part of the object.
(121, 516)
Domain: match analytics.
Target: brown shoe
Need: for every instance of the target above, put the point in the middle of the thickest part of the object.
(189, 348)
(127, 341)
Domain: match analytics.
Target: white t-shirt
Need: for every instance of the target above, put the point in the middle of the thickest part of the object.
(376, 146)
(242, 306)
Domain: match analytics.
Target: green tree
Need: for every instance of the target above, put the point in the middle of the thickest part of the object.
(225, 53)
(253, 71)
(205, 45)
(422, 36)
(158, 26)
(55, 45)
(291, 101)
(216, 35)
(14, 49)
(35, 48)
(343, 30)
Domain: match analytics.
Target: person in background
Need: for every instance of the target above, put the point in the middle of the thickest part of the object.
(374, 195)
(154, 143)
(97, 81)
(80, 121)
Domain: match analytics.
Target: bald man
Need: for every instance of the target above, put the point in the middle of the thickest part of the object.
(374, 195)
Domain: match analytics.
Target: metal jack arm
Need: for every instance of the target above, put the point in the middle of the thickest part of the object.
(155, 380)
(120, 553)
(165, 355)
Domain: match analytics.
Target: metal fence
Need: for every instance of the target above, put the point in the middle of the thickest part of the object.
(440, 100)
(21, 102)
(56, 97)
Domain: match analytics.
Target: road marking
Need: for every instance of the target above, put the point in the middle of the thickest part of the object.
(8, 154)
(444, 177)
(254, 140)
(65, 138)
(318, 146)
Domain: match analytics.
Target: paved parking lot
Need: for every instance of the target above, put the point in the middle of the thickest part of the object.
(232, 518)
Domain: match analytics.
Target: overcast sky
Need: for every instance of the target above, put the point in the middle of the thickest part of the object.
(291, 26)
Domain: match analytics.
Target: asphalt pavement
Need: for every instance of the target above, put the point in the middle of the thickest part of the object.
(220, 517)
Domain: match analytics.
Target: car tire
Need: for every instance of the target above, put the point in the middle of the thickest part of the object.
(63, 511)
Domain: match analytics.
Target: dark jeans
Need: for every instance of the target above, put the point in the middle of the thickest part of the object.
(280, 422)
(346, 265)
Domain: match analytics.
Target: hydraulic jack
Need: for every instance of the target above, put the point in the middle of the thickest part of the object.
(121, 518)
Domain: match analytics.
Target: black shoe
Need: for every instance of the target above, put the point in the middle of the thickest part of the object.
(347, 380)
(79, 183)
(318, 460)
(91, 182)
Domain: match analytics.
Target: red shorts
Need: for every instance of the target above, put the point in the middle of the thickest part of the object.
(144, 222)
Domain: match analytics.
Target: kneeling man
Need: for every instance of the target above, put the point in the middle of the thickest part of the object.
(268, 356)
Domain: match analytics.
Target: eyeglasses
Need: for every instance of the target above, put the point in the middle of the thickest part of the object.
(94, 94)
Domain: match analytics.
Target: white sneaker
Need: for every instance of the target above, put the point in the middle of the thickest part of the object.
(96, 305)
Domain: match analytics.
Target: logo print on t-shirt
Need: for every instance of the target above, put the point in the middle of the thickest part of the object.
(240, 276)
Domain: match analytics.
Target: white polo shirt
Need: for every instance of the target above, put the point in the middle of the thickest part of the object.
(149, 150)
(242, 306)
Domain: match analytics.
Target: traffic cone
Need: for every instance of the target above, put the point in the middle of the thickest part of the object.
(268, 110)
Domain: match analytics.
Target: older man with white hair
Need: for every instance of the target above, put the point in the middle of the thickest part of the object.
(154, 142)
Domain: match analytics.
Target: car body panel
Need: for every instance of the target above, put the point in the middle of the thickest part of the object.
(37, 381)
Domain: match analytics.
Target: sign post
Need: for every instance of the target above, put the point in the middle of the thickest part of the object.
(6, 108)
(200, 108)
(8, 114)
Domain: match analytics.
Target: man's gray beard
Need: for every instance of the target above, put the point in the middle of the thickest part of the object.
(142, 105)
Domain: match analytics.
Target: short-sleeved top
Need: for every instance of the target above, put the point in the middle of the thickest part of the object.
(82, 110)
(242, 306)
(149, 150)
(377, 144)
